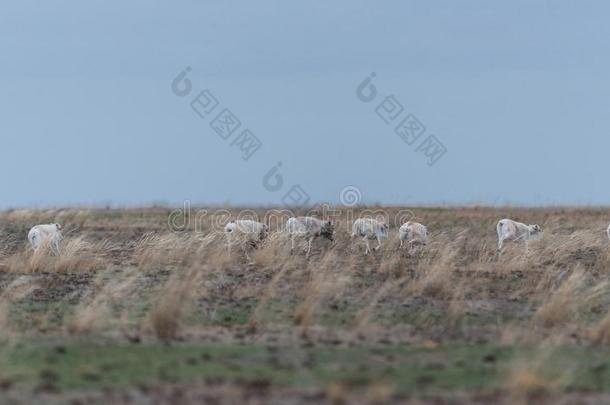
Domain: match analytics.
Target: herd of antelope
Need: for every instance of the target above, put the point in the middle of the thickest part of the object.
(308, 228)
(410, 233)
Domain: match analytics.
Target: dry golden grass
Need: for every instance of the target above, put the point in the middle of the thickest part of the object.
(274, 251)
(173, 304)
(567, 301)
(77, 255)
(434, 273)
(559, 284)
(562, 305)
(95, 314)
(158, 250)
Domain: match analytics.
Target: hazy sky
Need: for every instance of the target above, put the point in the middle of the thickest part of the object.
(517, 92)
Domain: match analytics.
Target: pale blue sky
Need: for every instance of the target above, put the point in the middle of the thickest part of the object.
(517, 91)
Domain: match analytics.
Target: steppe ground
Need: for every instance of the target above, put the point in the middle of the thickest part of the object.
(132, 312)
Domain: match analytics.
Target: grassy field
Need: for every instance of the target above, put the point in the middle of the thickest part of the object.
(132, 312)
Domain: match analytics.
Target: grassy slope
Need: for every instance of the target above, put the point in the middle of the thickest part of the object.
(434, 329)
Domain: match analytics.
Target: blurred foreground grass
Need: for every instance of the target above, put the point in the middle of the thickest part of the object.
(80, 365)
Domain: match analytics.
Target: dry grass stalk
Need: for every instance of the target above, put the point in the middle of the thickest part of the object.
(600, 333)
(566, 303)
(273, 251)
(456, 310)
(77, 255)
(80, 255)
(325, 280)
(155, 250)
(96, 314)
(434, 276)
(256, 316)
(562, 305)
(172, 304)
(17, 290)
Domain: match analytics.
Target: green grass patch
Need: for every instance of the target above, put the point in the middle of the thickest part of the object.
(78, 365)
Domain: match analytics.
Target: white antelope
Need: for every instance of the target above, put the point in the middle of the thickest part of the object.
(516, 231)
(370, 229)
(413, 233)
(250, 232)
(309, 228)
(46, 235)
